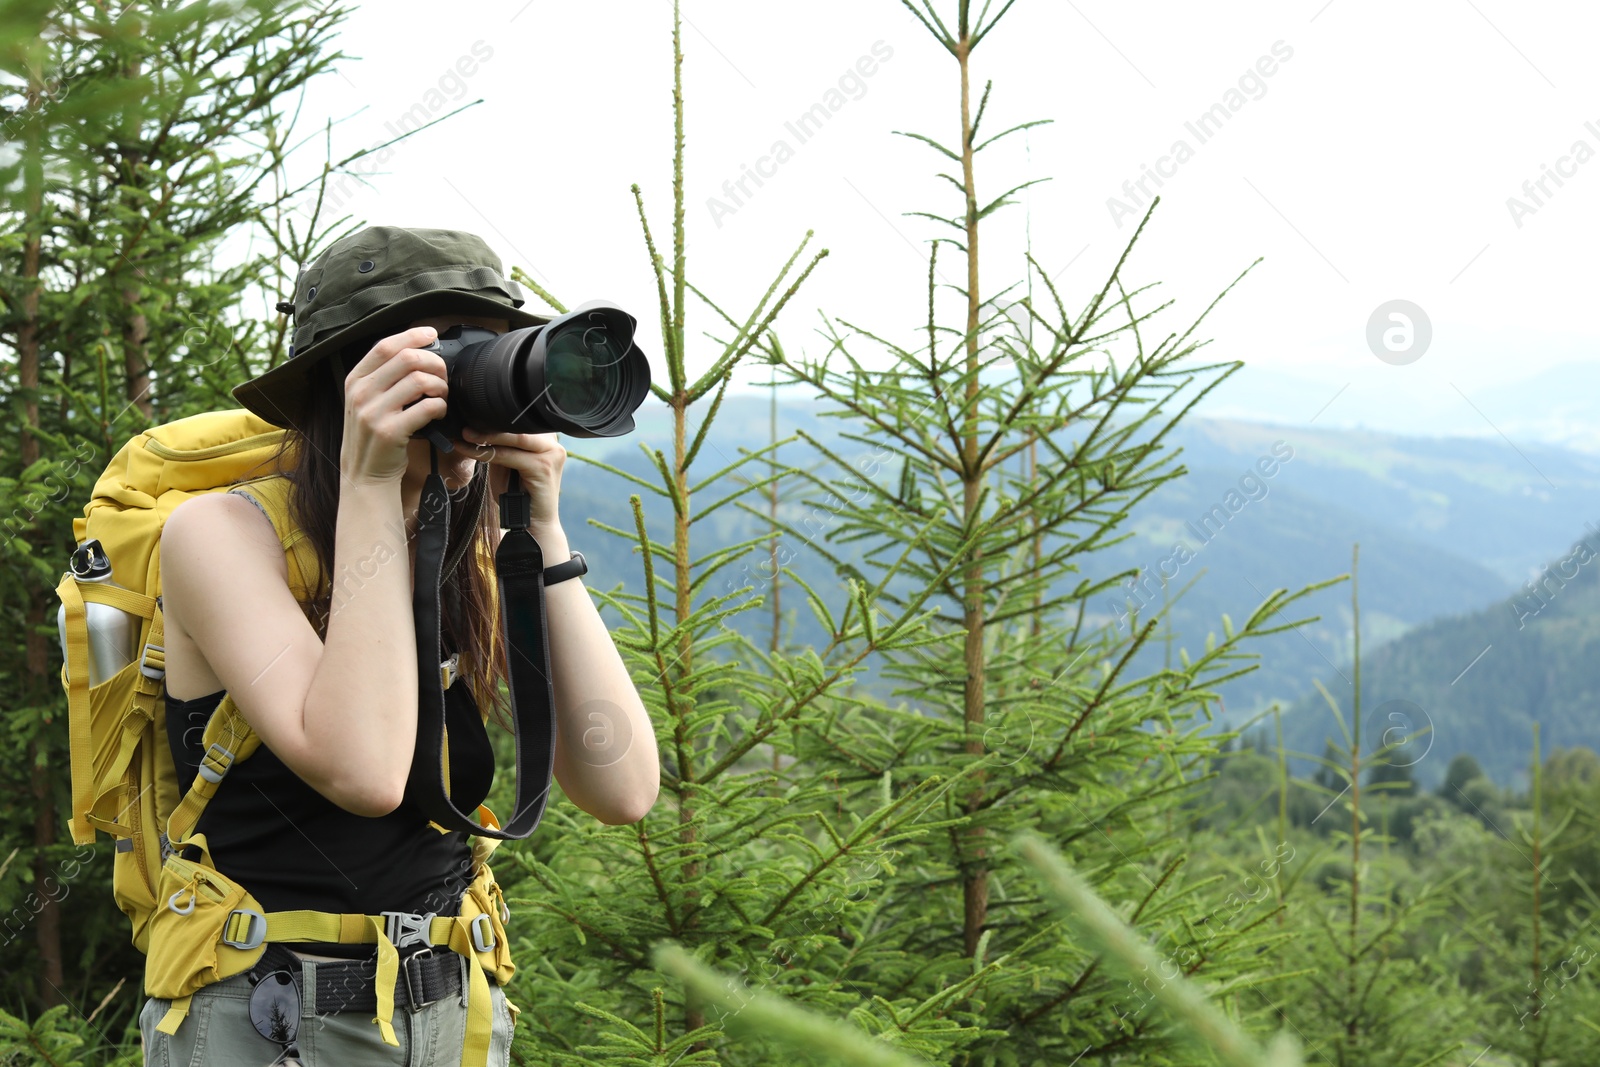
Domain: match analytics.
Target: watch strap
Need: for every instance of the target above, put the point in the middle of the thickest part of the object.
(562, 571)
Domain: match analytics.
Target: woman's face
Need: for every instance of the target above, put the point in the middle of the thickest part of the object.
(456, 468)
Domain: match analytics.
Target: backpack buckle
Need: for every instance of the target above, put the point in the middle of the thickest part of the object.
(221, 757)
(483, 933)
(255, 928)
(159, 670)
(408, 927)
(450, 670)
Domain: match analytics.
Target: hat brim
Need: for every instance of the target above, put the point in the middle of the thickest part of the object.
(279, 395)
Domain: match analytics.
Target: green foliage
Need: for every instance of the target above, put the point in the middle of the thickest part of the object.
(1362, 993)
(803, 1033)
(1462, 770)
(952, 509)
(1121, 946)
(1395, 777)
(62, 1037)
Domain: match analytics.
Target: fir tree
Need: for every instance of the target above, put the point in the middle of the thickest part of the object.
(1023, 694)
(1542, 961)
(761, 871)
(134, 122)
(1355, 993)
(1463, 769)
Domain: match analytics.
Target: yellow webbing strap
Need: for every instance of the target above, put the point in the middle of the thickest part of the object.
(388, 972)
(480, 1008)
(333, 928)
(78, 710)
(115, 829)
(174, 1017)
(130, 600)
(148, 692)
(483, 847)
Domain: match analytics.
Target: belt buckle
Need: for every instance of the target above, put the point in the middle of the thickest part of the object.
(414, 1003)
(408, 927)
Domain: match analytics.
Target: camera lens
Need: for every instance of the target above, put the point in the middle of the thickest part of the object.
(579, 374)
(582, 371)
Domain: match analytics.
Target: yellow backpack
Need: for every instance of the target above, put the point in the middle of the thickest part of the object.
(194, 924)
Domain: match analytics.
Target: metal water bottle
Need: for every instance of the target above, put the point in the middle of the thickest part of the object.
(112, 631)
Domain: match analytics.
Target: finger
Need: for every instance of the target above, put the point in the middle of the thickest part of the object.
(416, 400)
(529, 442)
(411, 419)
(410, 386)
(384, 350)
(407, 362)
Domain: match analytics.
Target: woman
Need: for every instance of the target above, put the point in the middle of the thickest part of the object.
(317, 818)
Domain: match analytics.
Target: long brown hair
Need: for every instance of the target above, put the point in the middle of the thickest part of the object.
(309, 457)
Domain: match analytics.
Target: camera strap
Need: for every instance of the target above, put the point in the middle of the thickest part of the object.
(519, 572)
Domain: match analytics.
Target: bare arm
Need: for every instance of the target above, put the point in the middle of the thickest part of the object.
(341, 715)
(361, 707)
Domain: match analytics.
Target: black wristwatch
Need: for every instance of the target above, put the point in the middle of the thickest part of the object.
(562, 571)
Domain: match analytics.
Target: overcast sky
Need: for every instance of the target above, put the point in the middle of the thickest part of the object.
(1368, 151)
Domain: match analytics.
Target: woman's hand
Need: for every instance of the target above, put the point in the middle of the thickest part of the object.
(396, 389)
(536, 457)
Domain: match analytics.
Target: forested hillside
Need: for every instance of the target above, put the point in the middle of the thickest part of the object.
(1482, 678)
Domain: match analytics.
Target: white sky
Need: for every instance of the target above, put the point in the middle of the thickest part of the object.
(1375, 166)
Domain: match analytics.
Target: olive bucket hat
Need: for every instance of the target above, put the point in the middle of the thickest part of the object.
(374, 283)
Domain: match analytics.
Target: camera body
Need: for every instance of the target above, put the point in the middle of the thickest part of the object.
(579, 374)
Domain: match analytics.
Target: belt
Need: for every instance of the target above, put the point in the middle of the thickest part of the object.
(425, 976)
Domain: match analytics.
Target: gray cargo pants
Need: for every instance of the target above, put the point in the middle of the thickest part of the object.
(218, 1031)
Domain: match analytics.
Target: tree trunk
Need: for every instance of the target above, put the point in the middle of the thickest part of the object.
(136, 327)
(975, 879)
(135, 332)
(1352, 1026)
(694, 1015)
(48, 928)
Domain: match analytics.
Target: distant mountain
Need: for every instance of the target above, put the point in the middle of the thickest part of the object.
(1476, 499)
(1286, 539)
(1480, 680)
(1446, 527)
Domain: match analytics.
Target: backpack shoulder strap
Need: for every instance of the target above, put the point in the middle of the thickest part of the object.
(271, 495)
(228, 739)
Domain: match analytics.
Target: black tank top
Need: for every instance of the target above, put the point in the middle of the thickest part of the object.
(293, 848)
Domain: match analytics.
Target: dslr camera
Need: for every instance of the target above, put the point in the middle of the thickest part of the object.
(579, 374)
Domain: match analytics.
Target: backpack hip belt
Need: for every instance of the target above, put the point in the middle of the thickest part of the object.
(209, 928)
